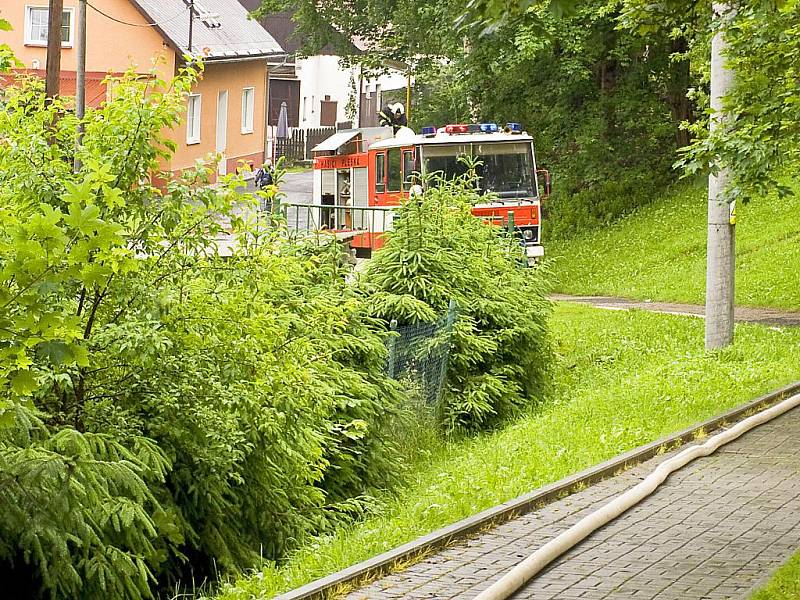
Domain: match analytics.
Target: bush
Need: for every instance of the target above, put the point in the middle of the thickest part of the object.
(439, 251)
(164, 409)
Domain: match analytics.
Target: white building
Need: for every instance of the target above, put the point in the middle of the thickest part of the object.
(318, 89)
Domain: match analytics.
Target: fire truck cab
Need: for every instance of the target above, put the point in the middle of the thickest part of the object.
(360, 175)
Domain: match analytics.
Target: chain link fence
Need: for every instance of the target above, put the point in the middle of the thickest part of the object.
(419, 354)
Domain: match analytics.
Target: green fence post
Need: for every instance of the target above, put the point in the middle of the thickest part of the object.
(392, 348)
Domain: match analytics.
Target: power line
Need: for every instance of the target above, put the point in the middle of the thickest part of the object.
(116, 20)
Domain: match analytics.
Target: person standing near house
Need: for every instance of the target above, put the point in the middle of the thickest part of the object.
(393, 115)
(264, 176)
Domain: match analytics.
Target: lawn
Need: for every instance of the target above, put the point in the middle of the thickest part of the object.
(623, 379)
(785, 583)
(659, 253)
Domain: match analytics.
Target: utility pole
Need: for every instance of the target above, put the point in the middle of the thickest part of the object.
(721, 257)
(52, 84)
(80, 78)
(191, 24)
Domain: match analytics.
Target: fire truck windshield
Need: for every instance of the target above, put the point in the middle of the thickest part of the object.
(504, 168)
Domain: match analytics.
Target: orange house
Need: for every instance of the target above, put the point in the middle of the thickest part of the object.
(225, 112)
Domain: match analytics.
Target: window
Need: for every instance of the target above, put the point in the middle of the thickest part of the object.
(394, 170)
(193, 120)
(408, 169)
(380, 173)
(248, 109)
(36, 21)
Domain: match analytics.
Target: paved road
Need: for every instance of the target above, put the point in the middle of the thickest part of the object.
(715, 529)
(297, 186)
(763, 316)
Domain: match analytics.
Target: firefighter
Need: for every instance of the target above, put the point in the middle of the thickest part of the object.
(393, 115)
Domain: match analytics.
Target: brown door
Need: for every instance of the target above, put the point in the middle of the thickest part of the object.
(327, 113)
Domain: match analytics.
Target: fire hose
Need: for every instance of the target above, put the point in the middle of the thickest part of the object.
(528, 568)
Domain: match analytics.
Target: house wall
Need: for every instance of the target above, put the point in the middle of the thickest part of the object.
(233, 77)
(114, 47)
(323, 75)
(111, 46)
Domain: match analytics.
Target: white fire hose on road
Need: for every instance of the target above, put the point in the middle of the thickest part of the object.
(528, 568)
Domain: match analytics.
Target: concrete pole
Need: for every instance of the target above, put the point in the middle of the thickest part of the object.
(52, 82)
(721, 258)
(80, 78)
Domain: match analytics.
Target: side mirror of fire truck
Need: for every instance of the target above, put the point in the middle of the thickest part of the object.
(545, 187)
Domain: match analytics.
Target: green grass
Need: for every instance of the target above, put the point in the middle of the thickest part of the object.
(785, 583)
(624, 379)
(659, 253)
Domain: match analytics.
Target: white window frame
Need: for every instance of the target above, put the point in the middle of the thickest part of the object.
(248, 109)
(29, 41)
(193, 122)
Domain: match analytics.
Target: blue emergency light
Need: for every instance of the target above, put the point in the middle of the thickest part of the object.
(514, 127)
(489, 128)
(429, 131)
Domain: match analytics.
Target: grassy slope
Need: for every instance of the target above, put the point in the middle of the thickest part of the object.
(785, 583)
(624, 378)
(659, 253)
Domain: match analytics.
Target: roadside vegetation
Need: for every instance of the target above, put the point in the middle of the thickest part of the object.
(622, 379)
(168, 414)
(784, 584)
(658, 252)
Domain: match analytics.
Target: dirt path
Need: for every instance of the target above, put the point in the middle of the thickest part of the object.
(762, 316)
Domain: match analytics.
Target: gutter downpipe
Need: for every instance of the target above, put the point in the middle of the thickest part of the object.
(518, 576)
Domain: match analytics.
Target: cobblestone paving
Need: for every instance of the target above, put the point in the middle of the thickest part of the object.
(762, 316)
(715, 529)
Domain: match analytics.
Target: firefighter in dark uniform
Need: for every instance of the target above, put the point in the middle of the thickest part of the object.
(393, 115)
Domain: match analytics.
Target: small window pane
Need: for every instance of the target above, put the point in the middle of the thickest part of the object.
(66, 27)
(380, 173)
(394, 170)
(248, 108)
(193, 120)
(38, 31)
(408, 169)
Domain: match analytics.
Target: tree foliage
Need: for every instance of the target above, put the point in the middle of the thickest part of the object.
(437, 252)
(759, 140)
(164, 409)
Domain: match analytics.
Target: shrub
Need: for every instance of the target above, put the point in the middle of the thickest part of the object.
(163, 408)
(439, 251)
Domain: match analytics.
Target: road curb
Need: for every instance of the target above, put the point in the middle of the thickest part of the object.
(383, 563)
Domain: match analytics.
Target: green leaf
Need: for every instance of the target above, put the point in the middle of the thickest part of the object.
(23, 383)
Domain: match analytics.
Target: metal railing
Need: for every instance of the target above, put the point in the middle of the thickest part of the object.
(307, 217)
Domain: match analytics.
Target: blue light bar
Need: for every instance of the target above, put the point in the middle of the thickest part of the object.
(489, 128)
(514, 127)
(429, 130)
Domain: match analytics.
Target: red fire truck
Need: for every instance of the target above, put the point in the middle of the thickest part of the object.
(360, 175)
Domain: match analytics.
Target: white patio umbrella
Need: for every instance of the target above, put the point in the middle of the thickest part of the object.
(282, 130)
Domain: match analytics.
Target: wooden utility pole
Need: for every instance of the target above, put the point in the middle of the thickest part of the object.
(721, 257)
(52, 83)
